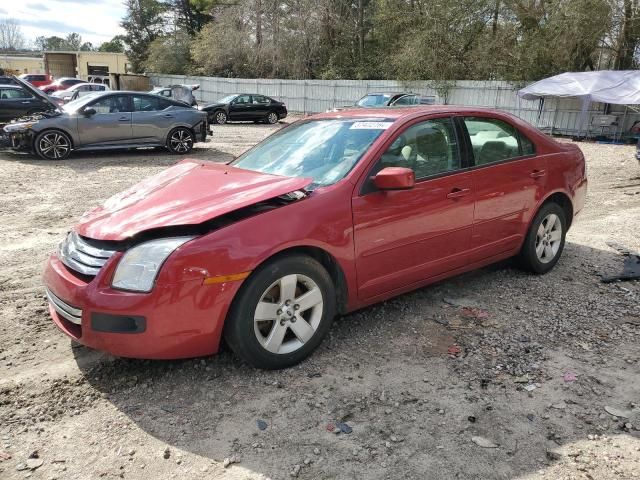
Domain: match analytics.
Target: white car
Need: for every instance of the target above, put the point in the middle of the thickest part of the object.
(79, 90)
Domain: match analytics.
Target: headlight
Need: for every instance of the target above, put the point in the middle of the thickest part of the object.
(139, 267)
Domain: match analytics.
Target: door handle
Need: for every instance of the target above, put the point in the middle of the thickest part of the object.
(537, 173)
(458, 192)
(167, 115)
(26, 101)
(123, 119)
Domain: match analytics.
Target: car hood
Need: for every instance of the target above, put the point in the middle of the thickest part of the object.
(37, 92)
(210, 106)
(189, 193)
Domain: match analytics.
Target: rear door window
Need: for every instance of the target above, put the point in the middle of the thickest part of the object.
(13, 94)
(149, 103)
(493, 140)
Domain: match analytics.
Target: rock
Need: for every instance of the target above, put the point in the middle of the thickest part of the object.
(167, 453)
(559, 406)
(295, 471)
(530, 388)
(316, 451)
(483, 442)
(33, 463)
(230, 461)
(617, 412)
(21, 466)
(262, 425)
(344, 428)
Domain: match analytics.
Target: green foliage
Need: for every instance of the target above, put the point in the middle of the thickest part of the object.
(115, 45)
(515, 40)
(169, 54)
(72, 43)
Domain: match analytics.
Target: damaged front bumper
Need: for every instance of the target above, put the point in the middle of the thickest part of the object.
(17, 137)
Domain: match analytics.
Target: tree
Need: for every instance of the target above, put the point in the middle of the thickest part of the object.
(115, 45)
(11, 37)
(169, 54)
(143, 23)
(73, 42)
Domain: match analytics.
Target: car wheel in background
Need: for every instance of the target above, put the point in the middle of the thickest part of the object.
(272, 118)
(544, 242)
(52, 145)
(220, 117)
(180, 140)
(281, 313)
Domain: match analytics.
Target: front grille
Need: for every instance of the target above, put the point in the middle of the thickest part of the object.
(77, 254)
(73, 314)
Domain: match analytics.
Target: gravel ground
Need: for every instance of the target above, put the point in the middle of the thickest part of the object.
(493, 374)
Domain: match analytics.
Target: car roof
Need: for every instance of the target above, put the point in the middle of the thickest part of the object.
(396, 113)
(10, 85)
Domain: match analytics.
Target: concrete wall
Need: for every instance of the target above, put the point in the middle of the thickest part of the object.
(19, 65)
(561, 116)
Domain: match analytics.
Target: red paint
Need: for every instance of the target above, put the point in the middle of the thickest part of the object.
(385, 242)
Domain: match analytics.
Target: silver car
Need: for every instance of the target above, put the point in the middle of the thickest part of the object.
(109, 120)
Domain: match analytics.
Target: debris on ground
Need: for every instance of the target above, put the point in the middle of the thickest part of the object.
(569, 377)
(344, 428)
(262, 425)
(484, 442)
(228, 461)
(471, 312)
(618, 412)
(454, 350)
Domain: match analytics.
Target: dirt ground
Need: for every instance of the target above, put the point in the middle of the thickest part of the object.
(493, 374)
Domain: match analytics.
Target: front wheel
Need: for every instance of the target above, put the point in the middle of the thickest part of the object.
(52, 145)
(180, 141)
(281, 313)
(220, 117)
(544, 242)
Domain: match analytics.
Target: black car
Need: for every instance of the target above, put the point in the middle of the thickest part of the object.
(16, 101)
(7, 81)
(245, 107)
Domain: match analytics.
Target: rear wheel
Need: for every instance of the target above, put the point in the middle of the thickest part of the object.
(52, 145)
(281, 313)
(272, 118)
(544, 242)
(180, 140)
(220, 117)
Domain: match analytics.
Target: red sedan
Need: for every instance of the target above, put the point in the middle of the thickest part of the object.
(61, 84)
(331, 214)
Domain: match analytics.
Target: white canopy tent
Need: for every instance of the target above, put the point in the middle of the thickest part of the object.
(620, 87)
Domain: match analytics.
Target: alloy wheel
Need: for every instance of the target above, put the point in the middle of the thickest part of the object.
(54, 146)
(548, 238)
(288, 314)
(221, 118)
(272, 118)
(181, 141)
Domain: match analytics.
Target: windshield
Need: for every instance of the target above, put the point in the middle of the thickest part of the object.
(80, 102)
(373, 101)
(227, 99)
(325, 150)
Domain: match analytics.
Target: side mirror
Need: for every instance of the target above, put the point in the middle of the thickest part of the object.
(395, 178)
(87, 112)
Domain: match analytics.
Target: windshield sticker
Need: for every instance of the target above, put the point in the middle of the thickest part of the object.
(370, 125)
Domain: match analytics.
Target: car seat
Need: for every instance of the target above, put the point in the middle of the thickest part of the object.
(432, 152)
(492, 151)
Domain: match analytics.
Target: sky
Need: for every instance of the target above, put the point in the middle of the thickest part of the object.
(96, 21)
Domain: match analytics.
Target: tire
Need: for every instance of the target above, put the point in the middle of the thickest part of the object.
(272, 118)
(220, 117)
(180, 141)
(289, 332)
(52, 145)
(545, 239)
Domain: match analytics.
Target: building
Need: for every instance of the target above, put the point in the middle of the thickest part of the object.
(17, 65)
(85, 65)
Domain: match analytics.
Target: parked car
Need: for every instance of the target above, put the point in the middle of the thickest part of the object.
(245, 107)
(37, 79)
(374, 100)
(17, 101)
(61, 84)
(184, 93)
(79, 90)
(329, 215)
(107, 120)
(4, 80)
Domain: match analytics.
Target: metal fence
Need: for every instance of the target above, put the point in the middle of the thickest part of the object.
(557, 116)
